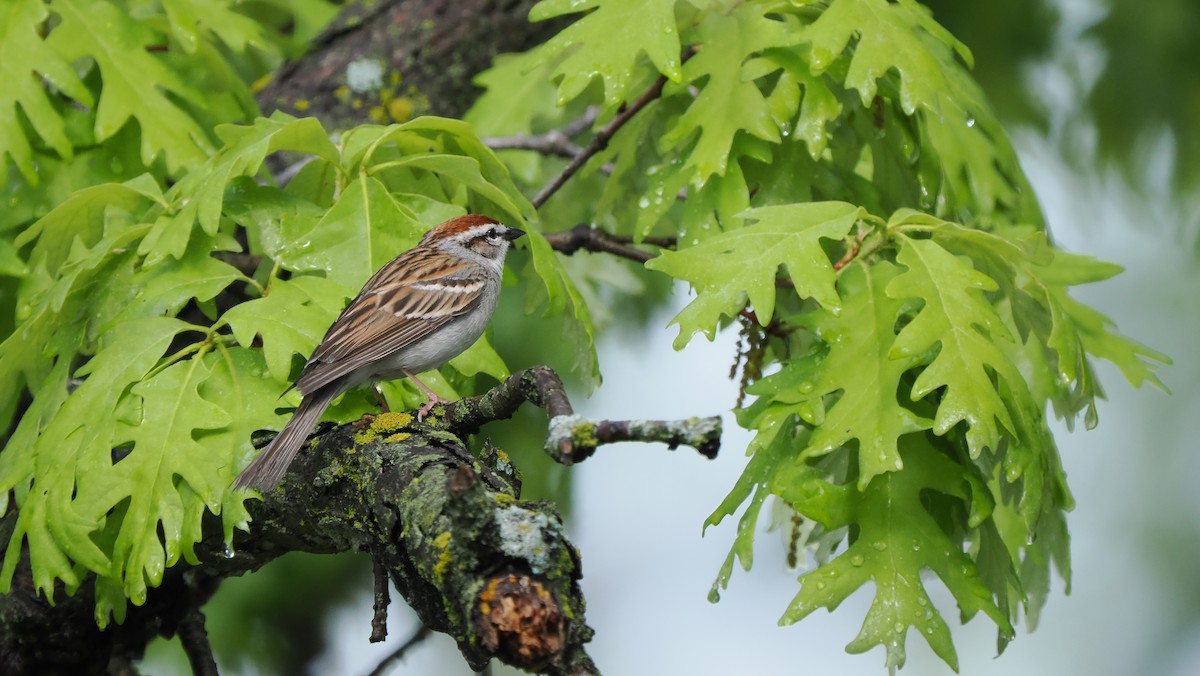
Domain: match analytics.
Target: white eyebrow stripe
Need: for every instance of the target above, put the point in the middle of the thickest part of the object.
(448, 288)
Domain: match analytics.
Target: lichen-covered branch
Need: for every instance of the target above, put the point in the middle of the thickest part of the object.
(449, 530)
(391, 60)
(473, 560)
(572, 438)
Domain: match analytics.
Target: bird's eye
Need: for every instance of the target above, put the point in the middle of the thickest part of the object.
(491, 234)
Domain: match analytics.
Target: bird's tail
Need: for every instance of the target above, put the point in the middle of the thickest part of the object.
(269, 467)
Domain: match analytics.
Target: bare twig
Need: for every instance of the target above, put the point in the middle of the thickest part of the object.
(556, 142)
(398, 654)
(572, 438)
(194, 639)
(382, 599)
(600, 140)
(585, 237)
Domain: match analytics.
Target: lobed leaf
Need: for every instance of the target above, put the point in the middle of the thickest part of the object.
(898, 538)
(729, 268)
(858, 369)
(955, 333)
(607, 43)
(746, 30)
(24, 56)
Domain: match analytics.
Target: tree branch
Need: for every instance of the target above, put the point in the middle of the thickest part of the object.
(572, 438)
(600, 140)
(391, 60)
(418, 636)
(585, 237)
(194, 639)
(473, 561)
(556, 142)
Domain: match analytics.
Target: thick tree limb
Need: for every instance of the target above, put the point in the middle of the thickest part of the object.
(390, 60)
(473, 560)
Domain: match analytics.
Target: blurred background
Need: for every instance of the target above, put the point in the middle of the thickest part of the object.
(1102, 99)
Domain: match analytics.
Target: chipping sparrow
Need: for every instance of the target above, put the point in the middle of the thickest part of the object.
(419, 311)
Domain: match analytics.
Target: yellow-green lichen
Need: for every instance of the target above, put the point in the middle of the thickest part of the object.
(504, 499)
(301, 105)
(377, 114)
(442, 542)
(401, 109)
(398, 436)
(261, 83)
(391, 421)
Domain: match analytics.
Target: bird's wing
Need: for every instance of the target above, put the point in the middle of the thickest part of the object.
(406, 301)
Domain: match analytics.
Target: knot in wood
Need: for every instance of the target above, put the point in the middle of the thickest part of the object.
(519, 620)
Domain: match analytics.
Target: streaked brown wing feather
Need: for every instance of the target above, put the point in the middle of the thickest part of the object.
(390, 315)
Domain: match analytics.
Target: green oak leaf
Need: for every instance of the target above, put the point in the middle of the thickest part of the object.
(858, 367)
(59, 528)
(897, 539)
(743, 31)
(199, 197)
(363, 230)
(136, 82)
(960, 327)
(728, 268)
(561, 297)
(607, 43)
(24, 56)
(290, 319)
(162, 455)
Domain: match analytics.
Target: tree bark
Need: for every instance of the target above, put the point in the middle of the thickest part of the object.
(473, 560)
(393, 60)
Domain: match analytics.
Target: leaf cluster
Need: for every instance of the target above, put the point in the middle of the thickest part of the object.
(836, 183)
(841, 190)
(105, 90)
(157, 330)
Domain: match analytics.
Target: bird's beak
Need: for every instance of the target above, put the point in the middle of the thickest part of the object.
(513, 233)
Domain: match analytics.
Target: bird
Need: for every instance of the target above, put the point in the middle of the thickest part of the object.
(420, 310)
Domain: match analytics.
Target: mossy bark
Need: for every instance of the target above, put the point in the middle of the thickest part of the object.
(471, 558)
(387, 61)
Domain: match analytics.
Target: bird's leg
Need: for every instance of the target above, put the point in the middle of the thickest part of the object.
(434, 400)
(383, 407)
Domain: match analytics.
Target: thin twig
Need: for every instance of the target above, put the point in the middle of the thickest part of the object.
(382, 598)
(600, 140)
(572, 438)
(398, 654)
(556, 142)
(194, 639)
(585, 237)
